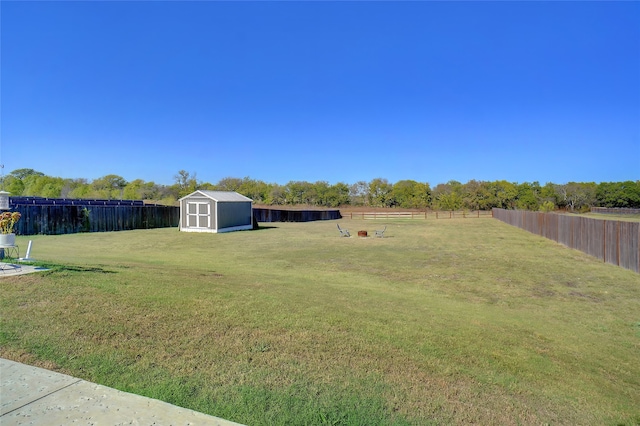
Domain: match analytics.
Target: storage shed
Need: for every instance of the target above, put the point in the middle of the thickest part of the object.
(215, 211)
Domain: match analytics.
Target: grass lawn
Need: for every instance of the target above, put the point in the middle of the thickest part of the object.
(442, 322)
(608, 216)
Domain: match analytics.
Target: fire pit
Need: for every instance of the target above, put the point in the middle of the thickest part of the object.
(362, 233)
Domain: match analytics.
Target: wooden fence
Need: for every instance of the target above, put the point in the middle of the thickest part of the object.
(17, 201)
(68, 219)
(276, 215)
(417, 215)
(612, 241)
(614, 210)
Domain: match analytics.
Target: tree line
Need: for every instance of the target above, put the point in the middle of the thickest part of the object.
(379, 192)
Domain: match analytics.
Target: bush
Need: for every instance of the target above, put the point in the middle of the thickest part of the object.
(547, 207)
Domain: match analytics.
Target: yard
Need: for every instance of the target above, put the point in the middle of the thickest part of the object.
(441, 322)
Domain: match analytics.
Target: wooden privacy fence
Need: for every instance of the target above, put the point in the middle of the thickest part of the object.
(614, 210)
(418, 215)
(69, 219)
(16, 201)
(612, 241)
(275, 215)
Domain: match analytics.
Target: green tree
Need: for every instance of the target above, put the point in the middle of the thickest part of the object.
(83, 190)
(451, 201)
(257, 190)
(618, 194)
(447, 196)
(43, 186)
(139, 190)
(13, 185)
(24, 173)
(476, 195)
(359, 193)
(300, 192)
(547, 206)
(576, 195)
(411, 194)
(548, 193)
(503, 194)
(110, 187)
(528, 197)
(320, 190)
(336, 195)
(380, 193)
(73, 186)
(185, 183)
(277, 195)
(229, 184)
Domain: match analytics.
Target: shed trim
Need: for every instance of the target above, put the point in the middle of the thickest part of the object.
(224, 196)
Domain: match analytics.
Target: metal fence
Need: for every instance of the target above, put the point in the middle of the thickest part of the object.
(612, 241)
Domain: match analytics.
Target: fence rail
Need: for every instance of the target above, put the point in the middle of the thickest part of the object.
(17, 201)
(611, 241)
(417, 215)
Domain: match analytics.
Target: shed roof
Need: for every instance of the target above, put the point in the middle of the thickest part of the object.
(228, 196)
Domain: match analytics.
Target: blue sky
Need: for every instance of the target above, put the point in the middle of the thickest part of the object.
(333, 91)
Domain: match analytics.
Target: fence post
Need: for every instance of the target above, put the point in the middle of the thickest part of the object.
(604, 241)
(618, 243)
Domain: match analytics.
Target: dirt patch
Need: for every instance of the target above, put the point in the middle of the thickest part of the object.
(584, 296)
(29, 359)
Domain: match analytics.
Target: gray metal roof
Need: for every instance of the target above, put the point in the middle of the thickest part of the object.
(228, 196)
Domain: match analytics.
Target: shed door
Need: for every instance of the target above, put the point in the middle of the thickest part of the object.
(198, 215)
